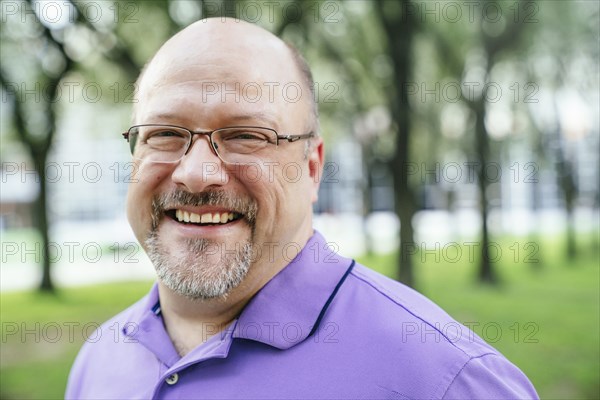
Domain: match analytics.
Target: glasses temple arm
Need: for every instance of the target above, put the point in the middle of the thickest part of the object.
(293, 138)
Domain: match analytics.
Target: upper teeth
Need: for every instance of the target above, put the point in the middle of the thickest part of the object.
(206, 218)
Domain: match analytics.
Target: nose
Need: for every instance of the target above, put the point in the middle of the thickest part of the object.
(200, 168)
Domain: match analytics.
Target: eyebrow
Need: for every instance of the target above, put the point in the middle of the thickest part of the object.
(238, 118)
(253, 117)
(163, 116)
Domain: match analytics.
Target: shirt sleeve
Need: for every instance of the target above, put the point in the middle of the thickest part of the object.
(490, 377)
(74, 381)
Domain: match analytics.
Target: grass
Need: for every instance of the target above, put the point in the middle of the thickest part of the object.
(543, 316)
(42, 333)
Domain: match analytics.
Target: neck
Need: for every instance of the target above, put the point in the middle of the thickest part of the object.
(191, 322)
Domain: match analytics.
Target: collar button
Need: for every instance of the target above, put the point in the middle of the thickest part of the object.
(172, 379)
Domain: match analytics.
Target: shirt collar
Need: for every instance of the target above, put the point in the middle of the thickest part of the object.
(286, 311)
(289, 308)
(146, 327)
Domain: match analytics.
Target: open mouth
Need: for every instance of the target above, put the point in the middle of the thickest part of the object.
(203, 219)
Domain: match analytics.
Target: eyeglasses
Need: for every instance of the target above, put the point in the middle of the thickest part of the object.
(235, 144)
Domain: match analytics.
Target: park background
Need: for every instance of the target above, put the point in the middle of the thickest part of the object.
(477, 122)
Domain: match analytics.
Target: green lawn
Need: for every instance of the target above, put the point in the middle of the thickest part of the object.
(42, 333)
(544, 317)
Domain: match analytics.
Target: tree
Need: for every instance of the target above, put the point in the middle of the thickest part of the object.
(556, 141)
(386, 31)
(495, 42)
(38, 139)
(399, 26)
(39, 143)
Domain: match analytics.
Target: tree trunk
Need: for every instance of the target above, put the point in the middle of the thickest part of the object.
(399, 29)
(570, 209)
(569, 189)
(567, 185)
(41, 219)
(367, 197)
(486, 271)
(492, 45)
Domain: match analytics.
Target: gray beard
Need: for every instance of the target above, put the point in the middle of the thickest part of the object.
(196, 276)
(196, 273)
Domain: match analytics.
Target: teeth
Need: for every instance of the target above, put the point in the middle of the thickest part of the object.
(207, 218)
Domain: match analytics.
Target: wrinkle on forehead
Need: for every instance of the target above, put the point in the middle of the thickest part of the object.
(227, 54)
(223, 70)
(226, 49)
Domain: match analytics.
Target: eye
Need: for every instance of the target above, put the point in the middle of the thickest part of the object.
(244, 136)
(164, 138)
(161, 133)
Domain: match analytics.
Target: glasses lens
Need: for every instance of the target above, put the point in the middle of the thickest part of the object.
(158, 143)
(243, 144)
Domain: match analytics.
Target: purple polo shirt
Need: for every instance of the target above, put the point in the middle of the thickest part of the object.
(325, 327)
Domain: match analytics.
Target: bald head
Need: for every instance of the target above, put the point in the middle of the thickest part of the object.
(225, 55)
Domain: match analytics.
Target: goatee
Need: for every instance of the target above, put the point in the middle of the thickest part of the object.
(201, 269)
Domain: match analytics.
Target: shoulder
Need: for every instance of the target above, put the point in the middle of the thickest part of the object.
(107, 345)
(414, 340)
(115, 330)
(394, 304)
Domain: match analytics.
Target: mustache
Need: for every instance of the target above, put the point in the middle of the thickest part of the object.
(218, 198)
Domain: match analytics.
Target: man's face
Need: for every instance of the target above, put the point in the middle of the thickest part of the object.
(267, 204)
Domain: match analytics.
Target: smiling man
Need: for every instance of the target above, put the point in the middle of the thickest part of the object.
(250, 302)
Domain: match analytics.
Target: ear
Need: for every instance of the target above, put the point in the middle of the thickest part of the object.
(315, 165)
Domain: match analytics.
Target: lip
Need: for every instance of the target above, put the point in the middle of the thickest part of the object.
(199, 231)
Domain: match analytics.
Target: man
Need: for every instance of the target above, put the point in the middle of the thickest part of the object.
(250, 301)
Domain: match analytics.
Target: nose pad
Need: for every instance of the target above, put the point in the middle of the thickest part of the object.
(214, 147)
(208, 142)
(199, 168)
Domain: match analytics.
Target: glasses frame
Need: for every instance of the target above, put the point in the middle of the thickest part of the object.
(288, 138)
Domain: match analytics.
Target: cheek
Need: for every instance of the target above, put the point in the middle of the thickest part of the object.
(145, 182)
(282, 193)
(263, 182)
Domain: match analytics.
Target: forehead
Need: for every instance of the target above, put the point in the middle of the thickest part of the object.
(211, 96)
(222, 72)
